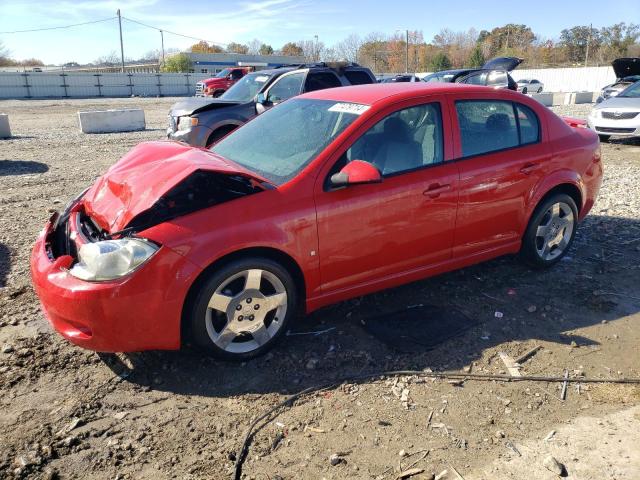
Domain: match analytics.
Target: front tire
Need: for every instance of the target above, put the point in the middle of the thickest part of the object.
(242, 309)
(539, 90)
(550, 232)
(524, 90)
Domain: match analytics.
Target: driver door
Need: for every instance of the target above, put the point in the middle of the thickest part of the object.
(375, 232)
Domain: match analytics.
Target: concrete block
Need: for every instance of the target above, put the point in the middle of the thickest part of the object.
(583, 97)
(5, 129)
(545, 99)
(110, 121)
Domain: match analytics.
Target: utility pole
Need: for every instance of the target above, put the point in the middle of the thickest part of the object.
(162, 41)
(586, 57)
(316, 55)
(121, 46)
(406, 58)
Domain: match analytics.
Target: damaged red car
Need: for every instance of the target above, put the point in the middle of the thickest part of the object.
(331, 195)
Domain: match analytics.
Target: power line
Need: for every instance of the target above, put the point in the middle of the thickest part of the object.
(173, 33)
(59, 28)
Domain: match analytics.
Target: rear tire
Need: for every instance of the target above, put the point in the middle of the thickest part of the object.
(217, 93)
(604, 138)
(242, 309)
(550, 232)
(539, 90)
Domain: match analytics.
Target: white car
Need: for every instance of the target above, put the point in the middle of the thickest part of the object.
(530, 85)
(619, 115)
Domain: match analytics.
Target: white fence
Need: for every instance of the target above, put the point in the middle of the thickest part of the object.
(82, 85)
(576, 79)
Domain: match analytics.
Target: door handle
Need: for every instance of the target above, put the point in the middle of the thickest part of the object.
(529, 168)
(436, 189)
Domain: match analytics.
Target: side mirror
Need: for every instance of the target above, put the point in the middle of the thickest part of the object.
(261, 98)
(261, 103)
(356, 172)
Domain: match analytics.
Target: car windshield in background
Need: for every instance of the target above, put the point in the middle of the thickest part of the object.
(223, 73)
(279, 143)
(246, 88)
(631, 92)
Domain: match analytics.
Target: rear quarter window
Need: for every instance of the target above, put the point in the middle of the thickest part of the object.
(529, 125)
(357, 77)
(320, 81)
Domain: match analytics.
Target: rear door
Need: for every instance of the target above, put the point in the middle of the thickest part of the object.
(371, 232)
(501, 157)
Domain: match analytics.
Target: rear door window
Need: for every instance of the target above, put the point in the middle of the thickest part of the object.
(486, 126)
(320, 81)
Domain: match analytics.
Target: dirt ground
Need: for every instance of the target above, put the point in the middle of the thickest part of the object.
(69, 413)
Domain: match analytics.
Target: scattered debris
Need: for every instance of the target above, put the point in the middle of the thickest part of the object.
(316, 333)
(456, 473)
(511, 365)
(563, 393)
(550, 435)
(335, 459)
(526, 356)
(498, 314)
(441, 475)
(513, 448)
(409, 473)
(553, 465)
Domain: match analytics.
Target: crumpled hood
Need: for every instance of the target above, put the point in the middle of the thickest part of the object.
(192, 105)
(142, 176)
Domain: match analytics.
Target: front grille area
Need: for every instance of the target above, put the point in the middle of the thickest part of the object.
(199, 88)
(620, 115)
(62, 241)
(614, 130)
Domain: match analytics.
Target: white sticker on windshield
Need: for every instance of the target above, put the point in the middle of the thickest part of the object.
(353, 108)
(262, 78)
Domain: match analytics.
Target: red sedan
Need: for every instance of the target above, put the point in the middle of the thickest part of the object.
(331, 195)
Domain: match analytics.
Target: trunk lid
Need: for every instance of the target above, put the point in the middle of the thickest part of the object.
(136, 182)
(502, 63)
(624, 67)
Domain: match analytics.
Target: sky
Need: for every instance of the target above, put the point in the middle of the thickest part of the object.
(272, 21)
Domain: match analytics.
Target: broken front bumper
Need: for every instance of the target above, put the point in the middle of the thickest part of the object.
(141, 311)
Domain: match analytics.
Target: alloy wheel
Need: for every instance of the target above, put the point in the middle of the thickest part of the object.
(246, 311)
(554, 231)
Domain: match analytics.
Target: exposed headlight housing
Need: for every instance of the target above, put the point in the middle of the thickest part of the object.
(185, 123)
(111, 259)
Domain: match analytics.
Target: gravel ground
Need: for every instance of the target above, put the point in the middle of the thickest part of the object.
(69, 413)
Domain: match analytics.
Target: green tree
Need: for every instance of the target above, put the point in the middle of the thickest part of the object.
(292, 49)
(477, 58)
(574, 41)
(440, 62)
(177, 63)
(265, 49)
(234, 47)
(620, 37)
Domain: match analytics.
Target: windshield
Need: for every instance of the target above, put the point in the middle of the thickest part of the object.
(630, 78)
(279, 143)
(631, 92)
(247, 87)
(223, 73)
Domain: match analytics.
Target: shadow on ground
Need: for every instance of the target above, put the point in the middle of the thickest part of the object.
(5, 264)
(21, 167)
(577, 292)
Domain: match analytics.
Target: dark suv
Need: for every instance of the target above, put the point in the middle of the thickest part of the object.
(494, 73)
(202, 122)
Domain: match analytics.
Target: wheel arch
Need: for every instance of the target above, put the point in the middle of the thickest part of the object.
(220, 131)
(279, 256)
(566, 187)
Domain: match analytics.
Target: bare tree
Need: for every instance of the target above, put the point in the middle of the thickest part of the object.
(110, 59)
(254, 46)
(348, 48)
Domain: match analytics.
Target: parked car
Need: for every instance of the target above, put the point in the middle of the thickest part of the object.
(202, 122)
(494, 73)
(530, 85)
(627, 72)
(331, 195)
(401, 78)
(216, 86)
(619, 115)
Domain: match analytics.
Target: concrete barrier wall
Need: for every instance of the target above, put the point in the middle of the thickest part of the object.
(110, 121)
(84, 85)
(5, 129)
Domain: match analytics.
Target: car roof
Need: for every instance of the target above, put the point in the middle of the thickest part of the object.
(372, 93)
